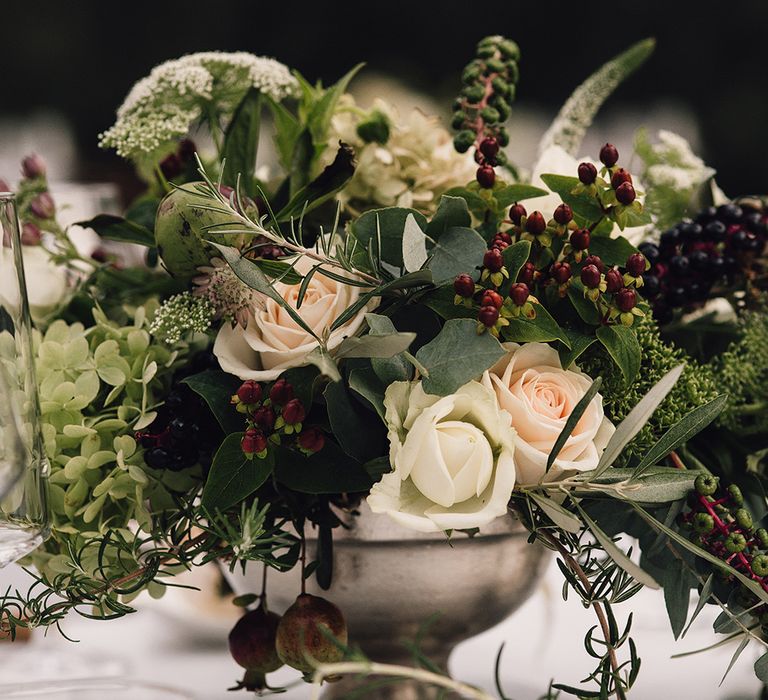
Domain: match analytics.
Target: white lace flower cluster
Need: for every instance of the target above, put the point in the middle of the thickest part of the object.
(675, 164)
(415, 165)
(161, 107)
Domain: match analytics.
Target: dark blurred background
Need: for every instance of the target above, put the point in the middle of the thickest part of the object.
(80, 59)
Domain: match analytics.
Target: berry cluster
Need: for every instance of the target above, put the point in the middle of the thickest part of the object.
(185, 432)
(272, 414)
(697, 258)
(720, 524)
(484, 105)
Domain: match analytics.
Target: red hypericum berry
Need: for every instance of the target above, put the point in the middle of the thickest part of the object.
(250, 392)
(171, 166)
(626, 299)
(625, 193)
(464, 286)
(596, 261)
(293, 412)
(636, 264)
(563, 214)
(486, 176)
(590, 276)
(609, 156)
(527, 273)
(620, 176)
(614, 281)
(587, 173)
(580, 239)
(491, 298)
(30, 234)
(493, 260)
(561, 272)
(519, 293)
(253, 442)
(264, 417)
(312, 439)
(281, 392)
(488, 316)
(489, 147)
(499, 243)
(504, 236)
(535, 223)
(516, 213)
(33, 166)
(43, 206)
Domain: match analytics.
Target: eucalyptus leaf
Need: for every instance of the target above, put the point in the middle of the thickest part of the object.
(457, 251)
(451, 212)
(383, 346)
(386, 225)
(557, 514)
(761, 668)
(320, 358)
(414, 245)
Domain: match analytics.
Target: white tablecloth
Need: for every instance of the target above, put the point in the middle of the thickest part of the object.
(543, 640)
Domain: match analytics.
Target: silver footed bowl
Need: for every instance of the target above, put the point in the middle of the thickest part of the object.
(389, 581)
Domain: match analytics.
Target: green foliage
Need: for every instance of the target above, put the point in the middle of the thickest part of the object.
(695, 387)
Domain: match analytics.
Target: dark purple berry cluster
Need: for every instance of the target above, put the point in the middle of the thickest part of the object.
(697, 258)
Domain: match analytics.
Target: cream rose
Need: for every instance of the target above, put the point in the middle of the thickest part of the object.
(272, 341)
(452, 458)
(539, 395)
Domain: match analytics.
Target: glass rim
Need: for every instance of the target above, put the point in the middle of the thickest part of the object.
(7, 196)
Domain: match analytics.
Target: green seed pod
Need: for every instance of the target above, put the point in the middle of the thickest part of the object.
(513, 72)
(735, 493)
(502, 106)
(486, 51)
(471, 73)
(762, 535)
(458, 119)
(735, 542)
(490, 115)
(503, 137)
(494, 65)
(743, 518)
(457, 104)
(703, 523)
(509, 49)
(473, 93)
(760, 568)
(463, 140)
(500, 86)
(706, 484)
(491, 40)
(501, 158)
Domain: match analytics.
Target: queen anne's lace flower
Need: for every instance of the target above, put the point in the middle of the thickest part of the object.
(412, 169)
(161, 107)
(229, 296)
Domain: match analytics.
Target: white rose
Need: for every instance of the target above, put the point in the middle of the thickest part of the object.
(532, 387)
(452, 459)
(557, 161)
(47, 283)
(272, 341)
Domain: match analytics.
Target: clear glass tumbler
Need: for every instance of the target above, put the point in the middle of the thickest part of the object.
(23, 466)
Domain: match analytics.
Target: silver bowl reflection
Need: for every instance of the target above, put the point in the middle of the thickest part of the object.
(388, 581)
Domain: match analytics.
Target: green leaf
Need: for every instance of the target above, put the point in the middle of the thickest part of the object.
(328, 471)
(216, 389)
(616, 554)
(389, 223)
(452, 212)
(304, 381)
(323, 187)
(515, 256)
(381, 346)
(637, 418)
(287, 130)
(440, 301)
(387, 369)
(360, 433)
(736, 654)
(241, 142)
(319, 118)
(682, 431)
(456, 356)
(365, 382)
(234, 477)
(579, 343)
(677, 594)
(458, 250)
(542, 329)
(515, 193)
(557, 514)
(584, 307)
(279, 270)
(576, 115)
(414, 245)
(573, 419)
(761, 668)
(116, 228)
(612, 251)
(657, 485)
(622, 345)
(474, 201)
(582, 204)
(706, 592)
(143, 212)
(320, 358)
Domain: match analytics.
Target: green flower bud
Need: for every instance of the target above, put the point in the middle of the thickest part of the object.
(735, 542)
(706, 484)
(735, 494)
(494, 65)
(743, 518)
(762, 536)
(473, 93)
(375, 128)
(509, 49)
(703, 523)
(490, 115)
(760, 568)
(463, 140)
(458, 119)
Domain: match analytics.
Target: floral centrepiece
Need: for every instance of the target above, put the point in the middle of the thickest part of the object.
(384, 313)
